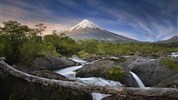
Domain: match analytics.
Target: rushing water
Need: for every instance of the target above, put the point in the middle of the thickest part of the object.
(71, 74)
(138, 80)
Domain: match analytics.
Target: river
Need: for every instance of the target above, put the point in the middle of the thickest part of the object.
(71, 74)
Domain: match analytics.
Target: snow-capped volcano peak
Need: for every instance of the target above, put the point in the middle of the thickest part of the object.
(83, 24)
(87, 30)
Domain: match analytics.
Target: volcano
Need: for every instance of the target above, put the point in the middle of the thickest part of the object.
(87, 30)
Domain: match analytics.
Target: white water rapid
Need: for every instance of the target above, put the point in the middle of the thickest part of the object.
(71, 74)
(138, 80)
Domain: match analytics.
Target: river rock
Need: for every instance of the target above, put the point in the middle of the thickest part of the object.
(169, 82)
(52, 63)
(150, 71)
(105, 68)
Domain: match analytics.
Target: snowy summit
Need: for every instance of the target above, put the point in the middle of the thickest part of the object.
(84, 24)
(85, 30)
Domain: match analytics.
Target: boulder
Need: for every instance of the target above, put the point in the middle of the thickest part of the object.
(109, 69)
(52, 63)
(169, 82)
(150, 71)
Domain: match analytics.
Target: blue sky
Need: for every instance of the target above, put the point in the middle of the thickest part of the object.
(146, 20)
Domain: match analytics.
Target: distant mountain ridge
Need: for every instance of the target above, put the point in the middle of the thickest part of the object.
(87, 30)
(172, 39)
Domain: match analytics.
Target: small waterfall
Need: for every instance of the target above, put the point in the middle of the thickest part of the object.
(139, 82)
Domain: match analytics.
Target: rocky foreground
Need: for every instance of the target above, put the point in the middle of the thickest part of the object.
(151, 71)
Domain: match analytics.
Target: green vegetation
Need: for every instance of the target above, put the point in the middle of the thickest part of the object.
(21, 44)
(115, 73)
(116, 49)
(170, 63)
(83, 54)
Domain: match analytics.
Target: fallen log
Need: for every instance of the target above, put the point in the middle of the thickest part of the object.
(149, 92)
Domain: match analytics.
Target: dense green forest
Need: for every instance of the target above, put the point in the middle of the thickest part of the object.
(21, 44)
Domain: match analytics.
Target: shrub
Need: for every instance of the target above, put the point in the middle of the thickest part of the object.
(83, 54)
(171, 63)
(115, 73)
(32, 50)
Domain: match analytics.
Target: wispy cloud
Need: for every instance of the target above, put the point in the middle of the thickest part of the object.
(34, 15)
(148, 20)
(155, 21)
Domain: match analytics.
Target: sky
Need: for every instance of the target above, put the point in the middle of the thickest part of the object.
(145, 20)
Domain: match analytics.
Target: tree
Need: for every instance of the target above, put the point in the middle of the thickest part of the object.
(40, 28)
(54, 32)
(32, 50)
(54, 39)
(90, 46)
(67, 46)
(13, 36)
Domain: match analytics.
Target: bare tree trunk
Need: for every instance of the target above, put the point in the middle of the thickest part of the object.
(150, 92)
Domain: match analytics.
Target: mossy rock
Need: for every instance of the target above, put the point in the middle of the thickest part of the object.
(112, 73)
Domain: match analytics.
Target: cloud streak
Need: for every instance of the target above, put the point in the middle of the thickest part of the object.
(32, 16)
(147, 20)
(152, 22)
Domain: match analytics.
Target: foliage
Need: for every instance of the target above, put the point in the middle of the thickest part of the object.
(63, 44)
(89, 46)
(1, 49)
(171, 63)
(83, 54)
(144, 49)
(31, 50)
(115, 72)
(40, 28)
(19, 43)
(12, 37)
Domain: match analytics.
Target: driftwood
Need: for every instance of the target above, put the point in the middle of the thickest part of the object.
(150, 92)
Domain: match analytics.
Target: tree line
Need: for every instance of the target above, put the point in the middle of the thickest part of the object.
(21, 44)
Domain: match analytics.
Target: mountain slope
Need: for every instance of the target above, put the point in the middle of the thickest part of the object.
(87, 30)
(172, 39)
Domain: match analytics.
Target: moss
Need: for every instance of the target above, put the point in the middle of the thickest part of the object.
(115, 73)
(171, 63)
